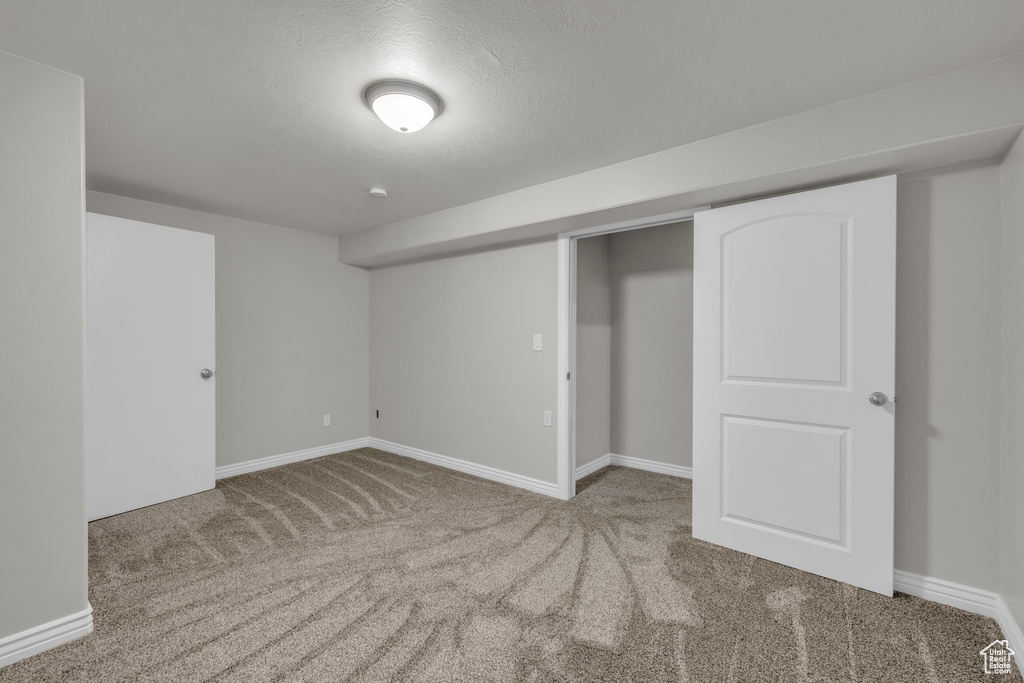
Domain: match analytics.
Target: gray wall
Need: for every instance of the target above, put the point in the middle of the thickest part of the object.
(452, 369)
(593, 349)
(634, 345)
(292, 332)
(947, 374)
(1011, 472)
(652, 343)
(42, 335)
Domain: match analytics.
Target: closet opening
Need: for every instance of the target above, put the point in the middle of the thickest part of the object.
(626, 313)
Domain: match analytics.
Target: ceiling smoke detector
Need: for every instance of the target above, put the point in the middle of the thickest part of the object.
(402, 105)
(378, 192)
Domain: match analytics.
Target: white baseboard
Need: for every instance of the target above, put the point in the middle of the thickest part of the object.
(635, 463)
(285, 458)
(652, 466)
(593, 466)
(33, 641)
(957, 595)
(1011, 631)
(974, 600)
(482, 471)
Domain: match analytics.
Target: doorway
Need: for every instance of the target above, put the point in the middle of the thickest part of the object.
(634, 350)
(568, 393)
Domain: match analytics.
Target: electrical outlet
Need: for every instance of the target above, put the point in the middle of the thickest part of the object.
(327, 420)
(538, 342)
(547, 418)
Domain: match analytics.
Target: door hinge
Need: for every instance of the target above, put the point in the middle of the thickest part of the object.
(567, 376)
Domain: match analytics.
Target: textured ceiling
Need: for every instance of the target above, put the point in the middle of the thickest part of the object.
(251, 108)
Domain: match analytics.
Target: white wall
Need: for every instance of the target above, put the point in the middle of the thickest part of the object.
(452, 369)
(652, 343)
(947, 374)
(1011, 472)
(42, 347)
(593, 349)
(292, 332)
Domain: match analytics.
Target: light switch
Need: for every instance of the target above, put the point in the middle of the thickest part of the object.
(537, 342)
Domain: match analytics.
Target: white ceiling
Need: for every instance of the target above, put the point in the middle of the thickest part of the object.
(252, 109)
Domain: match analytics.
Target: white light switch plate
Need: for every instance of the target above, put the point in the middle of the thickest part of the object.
(537, 342)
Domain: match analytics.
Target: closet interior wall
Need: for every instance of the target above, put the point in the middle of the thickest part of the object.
(634, 345)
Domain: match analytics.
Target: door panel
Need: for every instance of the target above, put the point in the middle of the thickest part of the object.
(764, 284)
(755, 452)
(151, 416)
(794, 327)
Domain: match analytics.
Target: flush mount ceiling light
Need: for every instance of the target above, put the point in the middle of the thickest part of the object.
(401, 105)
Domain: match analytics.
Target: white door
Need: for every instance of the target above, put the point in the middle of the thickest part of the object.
(794, 331)
(150, 432)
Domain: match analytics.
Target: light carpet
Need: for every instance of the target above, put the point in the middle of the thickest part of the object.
(367, 566)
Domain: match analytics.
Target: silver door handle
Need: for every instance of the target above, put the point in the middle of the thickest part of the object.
(878, 399)
(207, 373)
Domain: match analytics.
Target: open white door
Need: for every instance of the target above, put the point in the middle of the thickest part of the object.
(794, 333)
(151, 415)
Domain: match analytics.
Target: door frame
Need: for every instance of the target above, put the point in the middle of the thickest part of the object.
(566, 407)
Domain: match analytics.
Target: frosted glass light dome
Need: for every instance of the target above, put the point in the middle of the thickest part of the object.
(402, 106)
